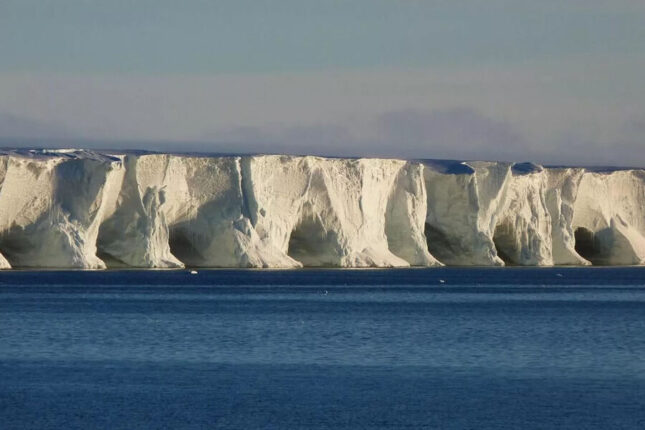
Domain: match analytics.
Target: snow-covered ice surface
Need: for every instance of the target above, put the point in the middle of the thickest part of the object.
(91, 210)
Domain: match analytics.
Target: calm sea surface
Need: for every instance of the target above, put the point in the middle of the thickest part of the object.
(514, 348)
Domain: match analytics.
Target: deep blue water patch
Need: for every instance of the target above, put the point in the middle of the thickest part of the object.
(433, 276)
(445, 348)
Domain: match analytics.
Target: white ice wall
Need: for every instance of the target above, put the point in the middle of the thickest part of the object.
(51, 208)
(561, 195)
(82, 209)
(611, 205)
(463, 201)
(335, 212)
(480, 213)
(523, 223)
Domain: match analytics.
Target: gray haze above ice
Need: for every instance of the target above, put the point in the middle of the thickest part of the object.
(553, 81)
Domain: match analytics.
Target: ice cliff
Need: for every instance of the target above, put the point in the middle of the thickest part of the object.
(82, 209)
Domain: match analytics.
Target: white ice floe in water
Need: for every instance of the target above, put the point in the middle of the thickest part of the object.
(83, 209)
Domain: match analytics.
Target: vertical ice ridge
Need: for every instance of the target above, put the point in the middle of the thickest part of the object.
(561, 195)
(4, 160)
(523, 223)
(406, 216)
(136, 234)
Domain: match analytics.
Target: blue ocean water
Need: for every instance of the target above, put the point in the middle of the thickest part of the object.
(448, 348)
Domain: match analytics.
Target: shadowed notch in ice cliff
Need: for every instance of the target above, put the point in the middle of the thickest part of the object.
(83, 209)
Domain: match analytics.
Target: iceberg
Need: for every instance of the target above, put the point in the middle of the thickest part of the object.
(93, 210)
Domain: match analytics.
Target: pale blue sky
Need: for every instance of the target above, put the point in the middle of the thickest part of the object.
(242, 36)
(328, 76)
